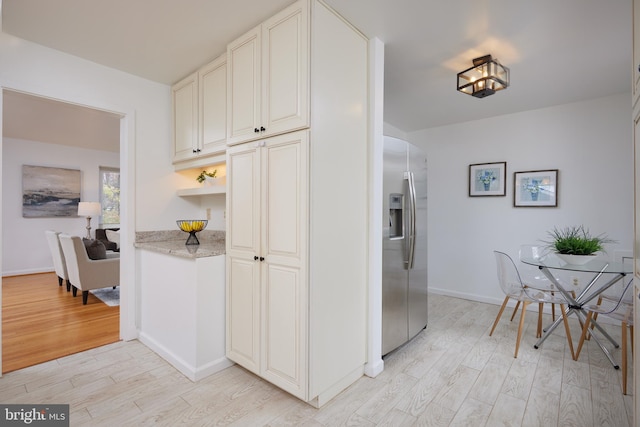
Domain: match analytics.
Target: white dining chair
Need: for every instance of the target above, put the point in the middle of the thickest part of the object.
(619, 308)
(514, 288)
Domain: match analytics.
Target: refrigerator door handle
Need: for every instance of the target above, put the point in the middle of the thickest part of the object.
(412, 221)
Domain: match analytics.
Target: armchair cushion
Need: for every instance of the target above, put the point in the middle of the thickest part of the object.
(114, 236)
(95, 249)
(101, 234)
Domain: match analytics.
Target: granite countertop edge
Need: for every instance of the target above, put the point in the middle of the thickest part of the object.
(172, 242)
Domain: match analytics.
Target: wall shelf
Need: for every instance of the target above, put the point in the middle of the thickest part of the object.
(201, 191)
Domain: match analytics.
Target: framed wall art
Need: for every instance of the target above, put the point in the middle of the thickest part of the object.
(535, 188)
(487, 179)
(50, 192)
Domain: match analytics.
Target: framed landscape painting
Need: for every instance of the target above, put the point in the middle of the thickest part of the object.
(535, 188)
(487, 179)
(50, 192)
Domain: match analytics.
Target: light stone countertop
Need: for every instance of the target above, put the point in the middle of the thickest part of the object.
(172, 242)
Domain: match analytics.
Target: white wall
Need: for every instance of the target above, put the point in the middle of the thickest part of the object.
(36, 69)
(148, 199)
(24, 237)
(589, 142)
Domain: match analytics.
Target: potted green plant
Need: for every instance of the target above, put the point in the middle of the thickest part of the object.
(204, 175)
(576, 245)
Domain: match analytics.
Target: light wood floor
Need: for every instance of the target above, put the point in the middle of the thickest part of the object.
(452, 374)
(41, 321)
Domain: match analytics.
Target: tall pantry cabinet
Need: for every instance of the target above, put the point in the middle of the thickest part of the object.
(297, 207)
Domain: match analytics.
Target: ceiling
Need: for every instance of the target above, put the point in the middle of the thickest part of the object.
(58, 122)
(557, 51)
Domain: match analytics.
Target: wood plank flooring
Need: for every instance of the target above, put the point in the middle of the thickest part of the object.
(41, 321)
(452, 374)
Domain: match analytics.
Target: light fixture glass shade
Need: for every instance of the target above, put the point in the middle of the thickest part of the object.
(486, 77)
(89, 209)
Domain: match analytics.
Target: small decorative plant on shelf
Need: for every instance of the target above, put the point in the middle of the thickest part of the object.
(204, 174)
(578, 243)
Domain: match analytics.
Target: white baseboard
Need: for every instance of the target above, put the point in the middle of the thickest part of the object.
(29, 271)
(337, 388)
(189, 371)
(373, 369)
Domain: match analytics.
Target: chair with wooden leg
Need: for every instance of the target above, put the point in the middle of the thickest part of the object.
(85, 273)
(513, 287)
(533, 277)
(59, 263)
(619, 308)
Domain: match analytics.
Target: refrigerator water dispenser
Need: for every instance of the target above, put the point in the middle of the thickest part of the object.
(396, 226)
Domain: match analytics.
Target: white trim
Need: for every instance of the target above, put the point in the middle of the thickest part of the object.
(194, 374)
(374, 364)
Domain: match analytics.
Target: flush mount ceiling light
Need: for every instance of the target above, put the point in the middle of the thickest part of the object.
(485, 78)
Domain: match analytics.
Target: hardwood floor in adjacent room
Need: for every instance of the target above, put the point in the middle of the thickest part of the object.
(452, 374)
(41, 321)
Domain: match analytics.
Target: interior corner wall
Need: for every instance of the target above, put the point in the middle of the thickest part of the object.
(590, 143)
(29, 252)
(390, 130)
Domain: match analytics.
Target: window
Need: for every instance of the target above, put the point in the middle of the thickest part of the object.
(110, 195)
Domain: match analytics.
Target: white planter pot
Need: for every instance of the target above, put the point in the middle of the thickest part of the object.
(208, 181)
(576, 259)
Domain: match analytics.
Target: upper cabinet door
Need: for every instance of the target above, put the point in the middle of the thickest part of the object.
(285, 70)
(243, 85)
(212, 82)
(268, 77)
(185, 117)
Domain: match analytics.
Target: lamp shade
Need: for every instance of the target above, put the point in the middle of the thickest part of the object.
(486, 77)
(89, 209)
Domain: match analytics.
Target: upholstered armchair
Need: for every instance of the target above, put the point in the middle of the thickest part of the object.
(101, 234)
(59, 264)
(85, 273)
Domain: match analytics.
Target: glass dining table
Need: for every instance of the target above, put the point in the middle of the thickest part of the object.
(610, 272)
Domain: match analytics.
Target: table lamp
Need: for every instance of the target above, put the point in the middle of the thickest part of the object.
(89, 209)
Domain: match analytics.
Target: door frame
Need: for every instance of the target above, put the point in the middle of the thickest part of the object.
(128, 302)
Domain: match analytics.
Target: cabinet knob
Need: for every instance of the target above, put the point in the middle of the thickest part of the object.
(256, 130)
(261, 258)
(262, 129)
(194, 151)
(255, 258)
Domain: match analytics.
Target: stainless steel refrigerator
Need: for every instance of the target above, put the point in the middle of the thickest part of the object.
(404, 264)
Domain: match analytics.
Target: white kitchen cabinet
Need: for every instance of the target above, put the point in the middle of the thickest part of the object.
(268, 84)
(185, 117)
(266, 284)
(297, 230)
(183, 316)
(636, 51)
(199, 112)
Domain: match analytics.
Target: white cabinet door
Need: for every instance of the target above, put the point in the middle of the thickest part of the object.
(185, 117)
(268, 70)
(285, 62)
(243, 266)
(284, 247)
(243, 85)
(212, 82)
(267, 294)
